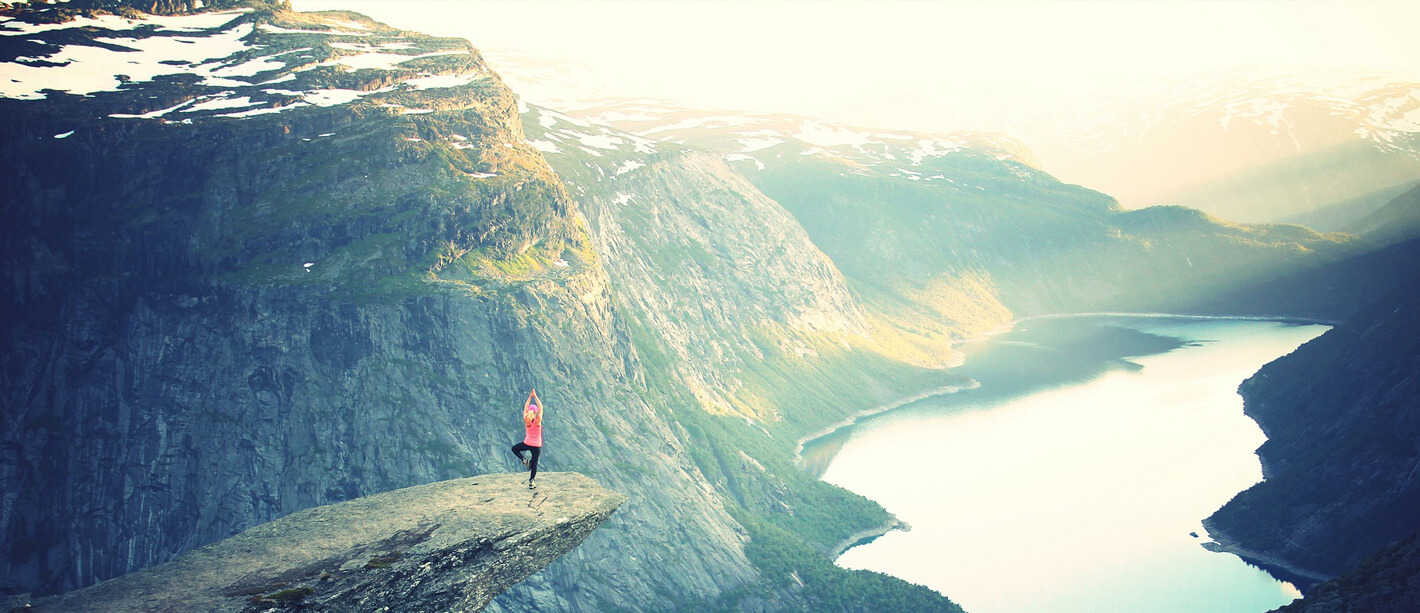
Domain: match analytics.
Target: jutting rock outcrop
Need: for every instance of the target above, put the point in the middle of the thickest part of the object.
(445, 546)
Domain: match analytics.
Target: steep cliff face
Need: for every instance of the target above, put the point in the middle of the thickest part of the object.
(298, 259)
(451, 545)
(703, 261)
(1342, 421)
(751, 338)
(1384, 583)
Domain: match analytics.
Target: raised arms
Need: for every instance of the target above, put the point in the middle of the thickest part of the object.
(531, 417)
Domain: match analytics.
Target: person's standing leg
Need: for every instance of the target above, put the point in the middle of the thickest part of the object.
(536, 451)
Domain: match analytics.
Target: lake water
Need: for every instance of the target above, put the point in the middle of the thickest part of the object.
(1072, 478)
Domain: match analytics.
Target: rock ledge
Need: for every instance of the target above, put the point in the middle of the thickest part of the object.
(446, 546)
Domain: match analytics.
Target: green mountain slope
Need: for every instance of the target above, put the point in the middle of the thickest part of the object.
(1397, 221)
(1341, 419)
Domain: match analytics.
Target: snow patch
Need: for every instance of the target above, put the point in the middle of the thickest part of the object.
(740, 157)
(815, 133)
(441, 81)
(151, 114)
(601, 141)
(87, 70)
(347, 24)
(629, 166)
(544, 146)
(927, 147)
(64, 135)
(290, 76)
(333, 97)
(194, 23)
(107, 22)
(750, 145)
(220, 103)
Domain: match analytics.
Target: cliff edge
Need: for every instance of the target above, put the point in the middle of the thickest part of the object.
(445, 546)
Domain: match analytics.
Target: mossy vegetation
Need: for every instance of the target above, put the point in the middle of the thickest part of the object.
(383, 561)
(277, 596)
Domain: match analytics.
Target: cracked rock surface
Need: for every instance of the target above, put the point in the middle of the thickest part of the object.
(445, 546)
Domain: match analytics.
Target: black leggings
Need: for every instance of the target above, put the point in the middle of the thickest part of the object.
(518, 450)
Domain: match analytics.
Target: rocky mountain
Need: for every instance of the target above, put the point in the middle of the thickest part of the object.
(1342, 421)
(293, 259)
(451, 545)
(751, 338)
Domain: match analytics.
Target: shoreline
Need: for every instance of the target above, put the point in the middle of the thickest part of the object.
(868, 535)
(865, 413)
(1284, 319)
(1302, 579)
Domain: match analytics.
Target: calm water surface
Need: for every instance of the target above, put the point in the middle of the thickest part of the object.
(1071, 480)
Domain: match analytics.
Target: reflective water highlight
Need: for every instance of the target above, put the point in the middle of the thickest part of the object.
(1076, 490)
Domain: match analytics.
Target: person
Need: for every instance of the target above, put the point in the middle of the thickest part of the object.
(532, 440)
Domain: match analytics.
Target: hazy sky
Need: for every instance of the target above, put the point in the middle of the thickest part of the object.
(906, 64)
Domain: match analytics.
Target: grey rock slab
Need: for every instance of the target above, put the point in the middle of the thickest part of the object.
(445, 546)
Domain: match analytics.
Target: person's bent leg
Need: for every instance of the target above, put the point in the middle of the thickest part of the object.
(518, 450)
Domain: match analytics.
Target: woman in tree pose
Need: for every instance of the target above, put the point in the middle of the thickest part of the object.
(532, 441)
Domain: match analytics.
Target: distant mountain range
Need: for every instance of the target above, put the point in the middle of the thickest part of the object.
(1320, 152)
(1316, 152)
